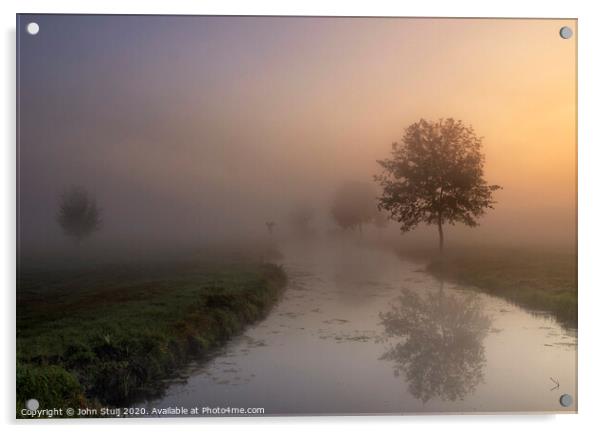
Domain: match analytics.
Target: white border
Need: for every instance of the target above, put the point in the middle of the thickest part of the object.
(590, 215)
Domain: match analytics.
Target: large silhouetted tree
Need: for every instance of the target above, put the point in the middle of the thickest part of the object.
(435, 176)
(78, 214)
(354, 204)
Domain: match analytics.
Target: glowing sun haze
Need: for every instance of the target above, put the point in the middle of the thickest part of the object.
(213, 125)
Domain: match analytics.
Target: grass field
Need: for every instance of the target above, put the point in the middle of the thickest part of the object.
(542, 279)
(104, 336)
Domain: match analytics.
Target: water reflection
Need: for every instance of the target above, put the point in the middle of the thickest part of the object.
(441, 349)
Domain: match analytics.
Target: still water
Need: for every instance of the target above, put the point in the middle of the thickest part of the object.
(360, 331)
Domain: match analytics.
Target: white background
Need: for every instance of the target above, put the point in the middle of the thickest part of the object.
(590, 218)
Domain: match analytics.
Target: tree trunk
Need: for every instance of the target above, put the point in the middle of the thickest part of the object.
(440, 221)
(440, 236)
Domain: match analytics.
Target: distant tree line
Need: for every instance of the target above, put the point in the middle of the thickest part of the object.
(434, 175)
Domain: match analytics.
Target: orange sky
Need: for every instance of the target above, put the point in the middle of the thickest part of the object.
(248, 116)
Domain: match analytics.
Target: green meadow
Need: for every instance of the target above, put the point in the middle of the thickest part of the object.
(536, 278)
(104, 336)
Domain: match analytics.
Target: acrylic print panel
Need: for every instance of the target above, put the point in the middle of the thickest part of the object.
(248, 216)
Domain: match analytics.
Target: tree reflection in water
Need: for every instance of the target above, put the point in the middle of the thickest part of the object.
(441, 349)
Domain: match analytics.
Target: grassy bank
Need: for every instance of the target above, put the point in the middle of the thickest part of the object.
(542, 279)
(105, 336)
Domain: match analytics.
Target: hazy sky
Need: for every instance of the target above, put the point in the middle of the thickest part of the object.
(189, 127)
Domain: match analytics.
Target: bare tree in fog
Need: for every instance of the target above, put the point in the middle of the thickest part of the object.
(270, 226)
(78, 214)
(435, 176)
(300, 219)
(354, 205)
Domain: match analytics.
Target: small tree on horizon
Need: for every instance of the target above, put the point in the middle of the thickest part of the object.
(78, 214)
(354, 205)
(270, 226)
(435, 176)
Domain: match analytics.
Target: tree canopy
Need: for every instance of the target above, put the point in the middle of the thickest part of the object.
(435, 176)
(354, 205)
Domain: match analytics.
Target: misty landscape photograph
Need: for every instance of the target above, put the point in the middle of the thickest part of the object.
(254, 216)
